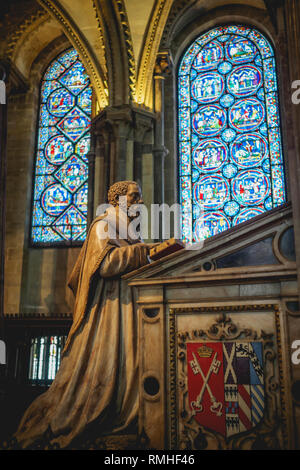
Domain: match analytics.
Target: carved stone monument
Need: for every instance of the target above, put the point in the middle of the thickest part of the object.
(214, 370)
(96, 386)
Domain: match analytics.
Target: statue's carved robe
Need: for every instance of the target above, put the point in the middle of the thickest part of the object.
(97, 378)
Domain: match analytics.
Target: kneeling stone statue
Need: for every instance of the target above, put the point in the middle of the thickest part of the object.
(97, 382)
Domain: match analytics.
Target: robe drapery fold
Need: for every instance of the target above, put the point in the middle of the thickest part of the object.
(97, 381)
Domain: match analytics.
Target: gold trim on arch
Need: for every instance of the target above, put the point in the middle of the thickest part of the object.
(102, 58)
(150, 49)
(124, 24)
(87, 56)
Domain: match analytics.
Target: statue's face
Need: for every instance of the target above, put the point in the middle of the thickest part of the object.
(134, 195)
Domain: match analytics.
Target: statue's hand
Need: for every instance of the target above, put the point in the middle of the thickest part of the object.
(145, 248)
(152, 245)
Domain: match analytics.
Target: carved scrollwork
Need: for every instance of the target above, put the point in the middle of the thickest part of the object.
(222, 329)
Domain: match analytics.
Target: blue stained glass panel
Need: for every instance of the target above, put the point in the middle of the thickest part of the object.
(68, 58)
(60, 102)
(60, 193)
(230, 153)
(54, 71)
(46, 118)
(47, 87)
(81, 199)
(75, 79)
(82, 148)
(72, 174)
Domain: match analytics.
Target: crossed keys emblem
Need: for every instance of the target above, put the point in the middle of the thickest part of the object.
(216, 406)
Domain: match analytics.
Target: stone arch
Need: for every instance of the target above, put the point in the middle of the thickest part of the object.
(46, 55)
(86, 52)
(33, 41)
(112, 15)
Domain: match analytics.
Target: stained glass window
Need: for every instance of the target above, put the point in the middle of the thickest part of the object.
(230, 154)
(45, 355)
(61, 168)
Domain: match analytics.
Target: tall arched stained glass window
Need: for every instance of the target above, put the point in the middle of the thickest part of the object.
(230, 154)
(61, 168)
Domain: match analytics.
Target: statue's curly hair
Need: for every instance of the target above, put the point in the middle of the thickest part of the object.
(118, 189)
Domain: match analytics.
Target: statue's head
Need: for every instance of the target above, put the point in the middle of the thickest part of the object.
(130, 189)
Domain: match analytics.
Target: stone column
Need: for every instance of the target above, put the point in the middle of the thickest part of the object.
(102, 135)
(292, 27)
(113, 126)
(11, 82)
(143, 158)
(161, 70)
(119, 132)
(3, 135)
(142, 125)
(120, 120)
(101, 167)
(291, 9)
(14, 83)
(99, 157)
(91, 180)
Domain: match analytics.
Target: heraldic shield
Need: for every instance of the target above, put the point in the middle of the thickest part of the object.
(226, 385)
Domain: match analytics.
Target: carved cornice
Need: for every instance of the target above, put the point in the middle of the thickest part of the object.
(177, 9)
(87, 56)
(121, 120)
(35, 316)
(101, 38)
(29, 23)
(115, 52)
(124, 23)
(153, 38)
(225, 329)
(22, 325)
(225, 308)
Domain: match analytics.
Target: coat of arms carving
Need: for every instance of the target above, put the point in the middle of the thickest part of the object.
(228, 393)
(226, 385)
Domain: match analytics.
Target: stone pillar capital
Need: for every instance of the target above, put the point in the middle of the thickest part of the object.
(160, 152)
(163, 65)
(115, 121)
(124, 122)
(91, 155)
(142, 123)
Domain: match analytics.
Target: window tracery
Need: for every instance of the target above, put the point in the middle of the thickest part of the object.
(60, 194)
(230, 153)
